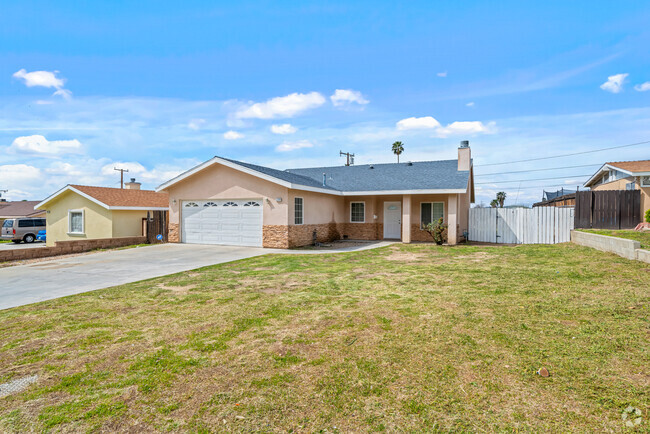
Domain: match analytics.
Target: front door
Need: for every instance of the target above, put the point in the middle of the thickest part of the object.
(393, 220)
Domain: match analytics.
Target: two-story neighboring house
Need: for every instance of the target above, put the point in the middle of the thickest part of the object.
(624, 175)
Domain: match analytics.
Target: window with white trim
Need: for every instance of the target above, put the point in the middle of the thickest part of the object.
(357, 212)
(298, 210)
(431, 212)
(645, 181)
(76, 221)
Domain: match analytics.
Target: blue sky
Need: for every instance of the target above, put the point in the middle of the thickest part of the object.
(158, 87)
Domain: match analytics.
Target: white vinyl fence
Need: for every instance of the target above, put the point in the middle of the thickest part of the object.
(541, 225)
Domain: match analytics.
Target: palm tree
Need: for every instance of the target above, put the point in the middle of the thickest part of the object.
(398, 148)
(494, 203)
(501, 197)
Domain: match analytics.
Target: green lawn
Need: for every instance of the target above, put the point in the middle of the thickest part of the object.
(404, 338)
(642, 237)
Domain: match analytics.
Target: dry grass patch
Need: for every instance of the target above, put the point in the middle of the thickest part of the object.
(403, 338)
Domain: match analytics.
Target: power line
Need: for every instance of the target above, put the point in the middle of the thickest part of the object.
(540, 186)
(535, 179)
(566, 155)
(539, 170)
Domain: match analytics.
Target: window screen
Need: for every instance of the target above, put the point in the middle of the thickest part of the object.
(76, 222)
(357, 212)
(298, 210)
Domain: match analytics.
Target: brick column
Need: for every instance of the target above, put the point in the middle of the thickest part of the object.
(452, 219)
(406, 218)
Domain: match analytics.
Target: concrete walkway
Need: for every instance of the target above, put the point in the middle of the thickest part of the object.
(54, 278)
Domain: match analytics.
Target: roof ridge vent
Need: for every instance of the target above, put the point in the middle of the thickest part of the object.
(409, 163)
(371, 167)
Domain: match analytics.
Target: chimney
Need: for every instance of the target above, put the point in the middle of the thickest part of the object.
(464, 155)
(324, 179)
(132, 185)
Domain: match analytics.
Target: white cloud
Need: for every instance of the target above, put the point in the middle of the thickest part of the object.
(292, 146)
(232, 135)
(63, 93)
(643, 87)
(38, 144)
(466, 128)
(195, 124)
(133, 167)
(470, 104)
(283, 106)
(413, 123)
(442, 74)
(40, 78)
(283, 129)
(19, 173)
(614, 83)
(342, 97)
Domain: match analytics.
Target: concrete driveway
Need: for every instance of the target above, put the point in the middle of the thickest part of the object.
(34, 245)
(54, 278)
(25, 284)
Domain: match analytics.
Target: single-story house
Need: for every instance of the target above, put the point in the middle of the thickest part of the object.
(223, 201)
(86, 212)
(624, 175)
(18, 209)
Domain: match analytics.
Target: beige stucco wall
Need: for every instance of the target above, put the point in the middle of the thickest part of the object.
(221, 182)
(318, 208)
(621, 184)
(97, 219)
(128, 223)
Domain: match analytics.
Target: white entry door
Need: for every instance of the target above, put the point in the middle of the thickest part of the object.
(393, 220)
(228, 222)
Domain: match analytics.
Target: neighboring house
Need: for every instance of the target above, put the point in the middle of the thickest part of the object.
(624, 175)
(17, 209)
(84, 212)
(223, 201)
(560, 198)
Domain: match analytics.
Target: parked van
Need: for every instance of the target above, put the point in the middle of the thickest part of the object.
(22, 229)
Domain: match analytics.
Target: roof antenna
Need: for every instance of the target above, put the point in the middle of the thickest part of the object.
(349, 158)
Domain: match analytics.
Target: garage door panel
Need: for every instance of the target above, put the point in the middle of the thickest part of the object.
(233, 222)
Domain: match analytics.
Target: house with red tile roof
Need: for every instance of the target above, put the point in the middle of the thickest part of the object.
(87, 212)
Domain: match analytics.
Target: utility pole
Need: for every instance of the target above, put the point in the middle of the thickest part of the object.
(121, 175)
(349, 157)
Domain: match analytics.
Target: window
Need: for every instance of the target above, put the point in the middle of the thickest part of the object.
(209, 204)
(629, 186)
(230, 204)
(191, 205)
(39, 222)
(25, 223)
(252, 203)
(357, 212)
(76, 221)
(298, 210)
(431, 212)
(645, 181)
(8, 224)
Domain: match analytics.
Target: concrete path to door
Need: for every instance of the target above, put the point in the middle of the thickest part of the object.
(54, 278)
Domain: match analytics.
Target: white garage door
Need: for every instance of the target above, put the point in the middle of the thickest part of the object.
(230, 222)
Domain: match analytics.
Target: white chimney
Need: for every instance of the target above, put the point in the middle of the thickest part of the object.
(132, 185)
(464, 155)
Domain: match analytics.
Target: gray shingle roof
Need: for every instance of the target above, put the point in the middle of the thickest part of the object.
(422, 175)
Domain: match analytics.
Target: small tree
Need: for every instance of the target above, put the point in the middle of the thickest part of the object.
(437, 230)
(501, 197)
(398, 148)
(494, 203)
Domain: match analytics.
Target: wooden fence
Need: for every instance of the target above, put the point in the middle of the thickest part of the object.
(542, 225)
(613, 209)
(156, 225)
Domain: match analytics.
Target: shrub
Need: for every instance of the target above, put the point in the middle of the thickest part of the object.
(438, 231)
(647, 216)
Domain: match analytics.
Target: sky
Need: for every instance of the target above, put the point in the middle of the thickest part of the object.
(158, 87)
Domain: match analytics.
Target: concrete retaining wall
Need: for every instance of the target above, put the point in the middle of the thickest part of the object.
(67, 247)
(620, 246)
(643, 255)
